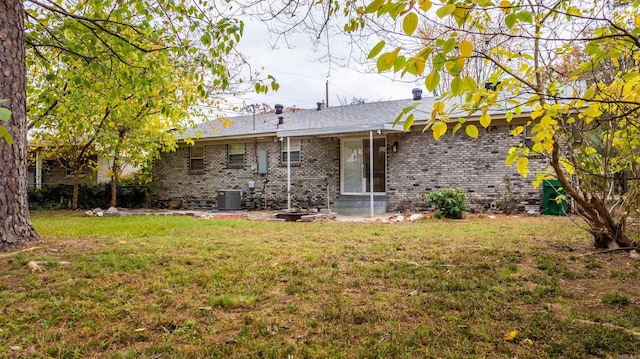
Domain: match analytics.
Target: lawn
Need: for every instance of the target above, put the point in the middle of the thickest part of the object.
(180, 287)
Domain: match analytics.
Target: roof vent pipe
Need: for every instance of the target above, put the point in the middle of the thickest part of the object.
(279, 108)
(280, 120)
(319, 106)
(417, 93)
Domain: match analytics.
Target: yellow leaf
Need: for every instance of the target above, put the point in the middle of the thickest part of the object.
(122, 243)
(509, 116)
(511, 335)
(517, 131)
(425, 5)
(438, 129)
(505, 6)
(466, 48)
(637, 21)
(485, 120)
(523, 168)
(512, 157)
(438, 107)
(472, 131)
(391, 57)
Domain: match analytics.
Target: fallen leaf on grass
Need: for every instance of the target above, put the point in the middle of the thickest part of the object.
(122, 243)
(511, 335)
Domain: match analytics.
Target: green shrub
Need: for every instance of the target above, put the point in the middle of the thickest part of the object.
(449, 202)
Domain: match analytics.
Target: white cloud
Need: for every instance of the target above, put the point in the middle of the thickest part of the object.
(302, 72)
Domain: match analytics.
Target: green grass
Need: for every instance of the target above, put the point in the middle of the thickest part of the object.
(179, 287)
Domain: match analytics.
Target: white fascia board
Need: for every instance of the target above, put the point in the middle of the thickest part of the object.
(339, 130)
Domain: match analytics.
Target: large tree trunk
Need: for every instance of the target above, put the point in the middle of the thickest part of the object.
(607, 230)
(15, 225)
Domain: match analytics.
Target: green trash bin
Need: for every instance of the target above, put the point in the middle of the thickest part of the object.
(551, 189)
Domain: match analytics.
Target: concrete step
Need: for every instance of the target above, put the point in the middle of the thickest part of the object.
(360, 204)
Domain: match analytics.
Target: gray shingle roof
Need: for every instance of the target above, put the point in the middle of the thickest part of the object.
(374, 113)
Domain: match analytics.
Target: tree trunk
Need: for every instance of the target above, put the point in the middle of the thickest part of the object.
(76, 188)
(15, 225)
(608, 231)
(115, 171)
(114, 190)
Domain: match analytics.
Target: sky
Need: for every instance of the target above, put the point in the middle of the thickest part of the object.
(302, 74)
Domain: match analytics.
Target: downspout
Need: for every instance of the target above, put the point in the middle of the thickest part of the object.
(38, 170)
(371, 171)
(289, 174)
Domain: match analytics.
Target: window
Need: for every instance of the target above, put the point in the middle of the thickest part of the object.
(196, 159)
(527, 137)
(295, 151)
(236, 155)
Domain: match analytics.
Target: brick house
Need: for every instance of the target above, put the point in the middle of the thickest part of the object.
(330, 163)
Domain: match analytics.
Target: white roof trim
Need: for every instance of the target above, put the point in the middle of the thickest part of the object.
(338, 130)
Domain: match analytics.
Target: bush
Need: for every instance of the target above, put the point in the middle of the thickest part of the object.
(449, 202)
(58, 196)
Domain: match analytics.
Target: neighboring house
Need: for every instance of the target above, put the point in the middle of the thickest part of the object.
(329, 162)
(47, 171)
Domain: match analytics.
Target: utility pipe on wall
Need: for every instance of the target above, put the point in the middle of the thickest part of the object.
(371, 171)
(289, 174)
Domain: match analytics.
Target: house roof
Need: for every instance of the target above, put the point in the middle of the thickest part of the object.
(331, 120)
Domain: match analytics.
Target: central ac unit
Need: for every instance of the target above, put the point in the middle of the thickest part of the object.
(229, 199)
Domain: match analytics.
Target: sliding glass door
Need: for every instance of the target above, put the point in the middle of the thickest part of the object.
(356, 169)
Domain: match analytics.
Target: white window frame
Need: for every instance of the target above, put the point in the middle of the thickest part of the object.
(196, 157)
(237, 150)
(296, 146)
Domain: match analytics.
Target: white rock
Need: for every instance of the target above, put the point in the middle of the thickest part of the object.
(99, 214)
(400, 218)
(96, 210)
(89, 213)
(634, 254)
(34, 267)
(415, 217)
(112, 210)
(492, 217)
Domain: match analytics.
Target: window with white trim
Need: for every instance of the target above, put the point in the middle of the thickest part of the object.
(236, 155)
(196, 158)
(295, 151)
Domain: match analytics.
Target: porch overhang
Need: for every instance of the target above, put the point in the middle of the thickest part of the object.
(387, 127)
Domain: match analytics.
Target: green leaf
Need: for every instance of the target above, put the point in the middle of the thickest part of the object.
(439, 128)
(376, 49)
(457, 127)
(445, 10)
(510, 20)
(374, 6)
(6, 136)
(470, 84)
(432, 80)
(438, 61)
(5, 114)
(457, 86)
(410, 23)
(525, 16)
(472, 131)
(408, 122)
(449, 45)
